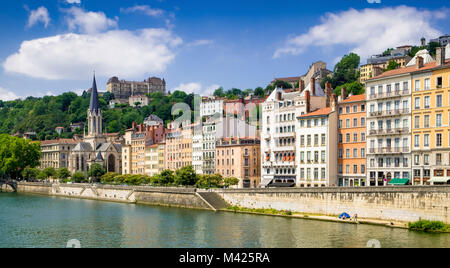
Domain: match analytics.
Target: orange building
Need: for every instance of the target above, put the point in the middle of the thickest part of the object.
(239, 158)
(352, 140)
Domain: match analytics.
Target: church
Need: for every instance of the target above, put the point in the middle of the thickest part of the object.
(95, 147)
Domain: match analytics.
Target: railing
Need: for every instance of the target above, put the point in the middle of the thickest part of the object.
(393, 112)
(392, 94)
(388, 150)
(389, 131)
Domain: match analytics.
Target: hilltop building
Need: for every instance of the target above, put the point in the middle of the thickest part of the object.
(125, 89)
(317, 70)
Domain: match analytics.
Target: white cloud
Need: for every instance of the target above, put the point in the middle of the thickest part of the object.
(147, 10)
(7, 95)
(203, 42)
(367, 31)
(73, 1)
(39, 15)
(196, 88)
(88, 21)
(118, 52)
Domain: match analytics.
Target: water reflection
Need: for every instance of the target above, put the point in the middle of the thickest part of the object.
(35, 221)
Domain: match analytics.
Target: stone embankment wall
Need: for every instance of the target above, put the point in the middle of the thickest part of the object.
(165, 196)
(405, 204)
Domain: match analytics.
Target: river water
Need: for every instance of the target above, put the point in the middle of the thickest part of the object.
(38, 221)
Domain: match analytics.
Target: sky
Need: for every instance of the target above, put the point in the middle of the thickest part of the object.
(53, 46)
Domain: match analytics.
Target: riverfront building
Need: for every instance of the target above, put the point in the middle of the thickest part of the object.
(151, 160)
(431, 122)
(178, 146)
(239, 158)
(278, 131)
(55, 153)
(352, 140)
(317, 148)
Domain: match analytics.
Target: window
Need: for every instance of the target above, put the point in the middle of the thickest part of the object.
(405, 86)
(323, 156)
(347, 123)
(426, 102)
(439, 140)
(439, 101)
(363, 108)
(340, 123)
(417, 141)
(363, 136)
(355, 137)
(347, 109)
(363, 121)
(347, 137)
(417, 122)
(426, 140)
(439, 120)
(417, 103)
(427, 85)
(355, 169)
(355, 108)
(417, 85)
(355, 153)
(439, 82)
(363, 152)
(355, 122)
(426, 121)
(323, 140)
(347, 153)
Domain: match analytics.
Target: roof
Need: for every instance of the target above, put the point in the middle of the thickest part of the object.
(287, 79)
(65, 141)
(406, 70)
(422, 53)
(94, 104)
(354, 98)
(83, 147)
(319, 112)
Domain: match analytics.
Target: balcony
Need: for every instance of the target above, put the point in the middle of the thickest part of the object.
(389, 150)
(394, 112)
(389, 131)
(386, 95)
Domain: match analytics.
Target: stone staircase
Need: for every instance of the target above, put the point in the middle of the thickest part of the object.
(213, 200)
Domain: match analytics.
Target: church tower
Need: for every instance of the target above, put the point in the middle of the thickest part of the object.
(95, 119)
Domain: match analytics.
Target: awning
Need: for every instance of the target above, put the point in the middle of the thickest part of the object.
(264, 182)
(398, 181)
(282, 184)
(440, 179)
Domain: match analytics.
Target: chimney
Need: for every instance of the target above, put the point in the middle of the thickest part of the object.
(313, 86)
(343, 93)
(302, 85)
(377, 71)
(419, 62)
(279, 96)
(333, 102)
(440, 56)
(308, 101)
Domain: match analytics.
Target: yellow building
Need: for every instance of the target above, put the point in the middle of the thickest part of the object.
(430, 123)
(369, 71)
(151, 160)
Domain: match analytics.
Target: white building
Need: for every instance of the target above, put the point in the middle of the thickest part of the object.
(389, 126)
(151, 160)
(317, 148)
(197, 151)
(211, 106)
(279, 126)
(209, 148)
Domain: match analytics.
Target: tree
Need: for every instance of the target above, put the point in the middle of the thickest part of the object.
(30, 173)
(219, 92)
(346, 70)
(392, 65)
(282, 84)
(166, 177)
(387, 52)
(209, 181)
(259, 91)
(227, 182)
(16, 154)
(63, 173)
(50, 172)
(79, 177)
(354, 88)
(41, 176)
(108, 96)
(96, 171)
(185, 176)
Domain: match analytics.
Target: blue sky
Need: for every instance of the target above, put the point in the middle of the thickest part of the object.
(53, 46)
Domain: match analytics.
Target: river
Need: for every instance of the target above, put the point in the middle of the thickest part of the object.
(39, 221)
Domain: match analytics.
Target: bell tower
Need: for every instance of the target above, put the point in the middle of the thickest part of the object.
(94, 119)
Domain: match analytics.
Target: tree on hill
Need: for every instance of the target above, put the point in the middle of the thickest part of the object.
(282, 84)
(354, 88)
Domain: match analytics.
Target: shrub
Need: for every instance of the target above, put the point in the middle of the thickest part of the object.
(429, 226)
(79, 177)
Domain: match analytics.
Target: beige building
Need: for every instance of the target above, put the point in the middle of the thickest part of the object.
(152, 160)
(239, 158)
(178, 148)
(137, 139)
(161, 156)
(373, 68)
(138, 100)
(55, 153)
(124, 89)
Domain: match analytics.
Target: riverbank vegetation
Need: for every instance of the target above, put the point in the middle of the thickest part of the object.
(429, 226)
(268, 211)
(182, 177)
